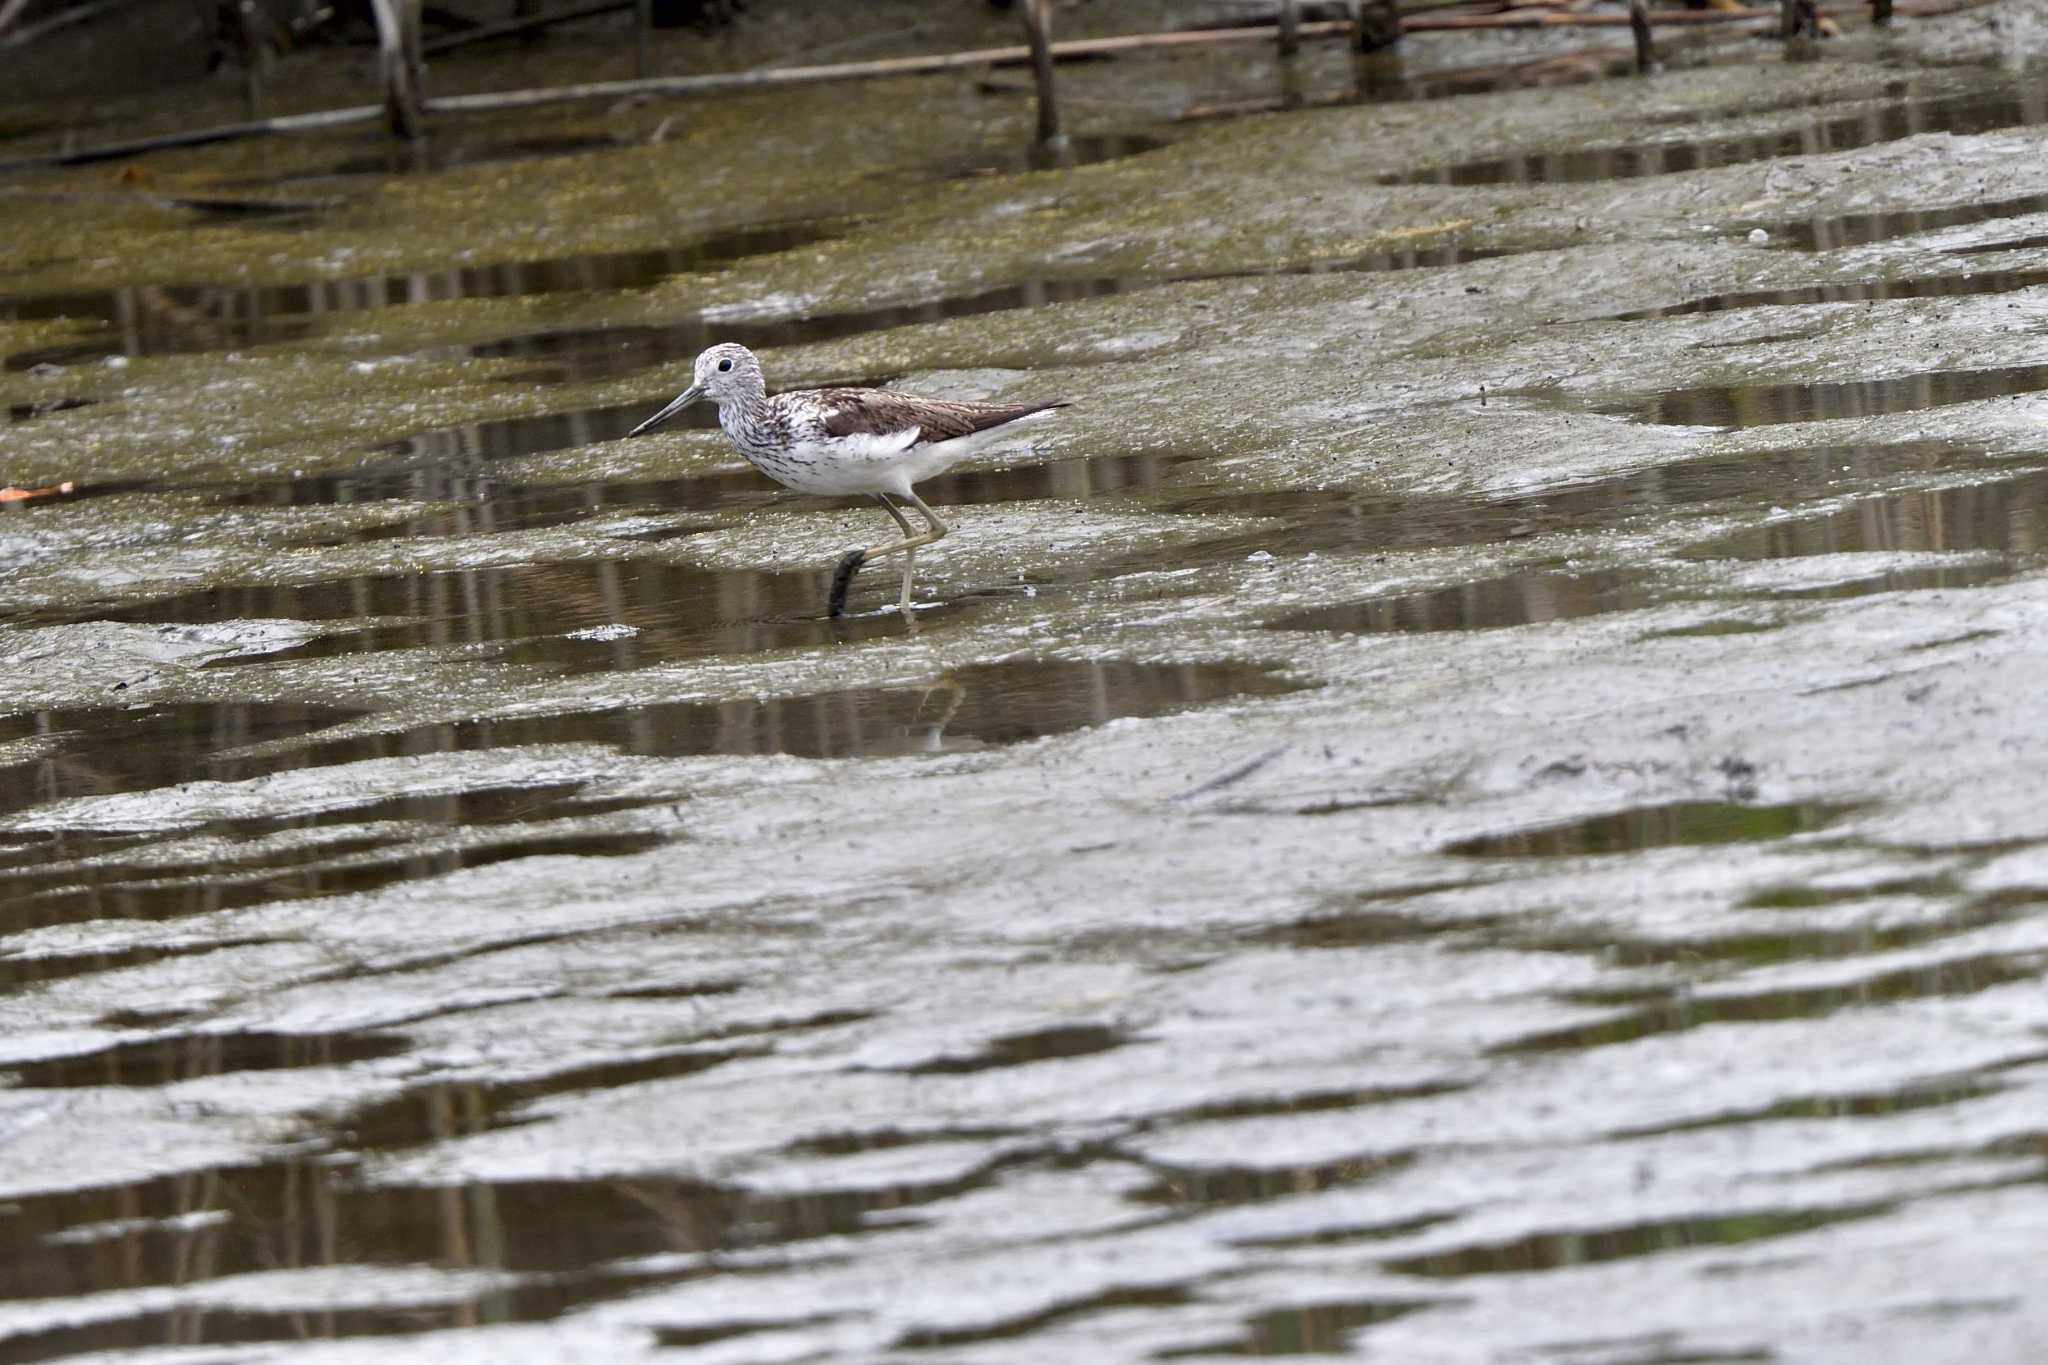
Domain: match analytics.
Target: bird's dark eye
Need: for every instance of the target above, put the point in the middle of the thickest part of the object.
(724, 365)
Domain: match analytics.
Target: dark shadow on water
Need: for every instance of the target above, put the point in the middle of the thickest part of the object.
(1918, 287)
(1751, 405)
(1510, 600)
(1768, 947)
(1023, 1049)
(1323, 522)
(1711, 629)
(404, 838)
(2007, 515)
(335, 868)
(569, 1241)
(1312, 1329)
(586, 354)
(1933, 578)
(1592, 1246)
(169, 319)
(558, 619)
(2029, 243)
(682, 611)
(1224, 1186)
(1162, 1296)
(1684, 823)
(1661, 1011)
(22, 412)
(1812, 1108)
(1370, 928)
(853, 1143)
(165, 1061)
(1898, 118)
(1305, 1102)
(445, 1110)
(17, 973)
(674, 1338)
(151, 1330)
(524, 613)
(976, 707)
(98, 752)
(1828, 232)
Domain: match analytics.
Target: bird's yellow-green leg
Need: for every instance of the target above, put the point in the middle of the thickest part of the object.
(850, 565)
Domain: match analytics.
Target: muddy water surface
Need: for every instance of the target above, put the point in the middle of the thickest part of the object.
(1406, 826)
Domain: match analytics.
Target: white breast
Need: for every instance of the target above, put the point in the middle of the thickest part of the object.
(838, 465)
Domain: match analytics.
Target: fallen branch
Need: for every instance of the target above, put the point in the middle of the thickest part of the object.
(200, 137)
(1564, 19)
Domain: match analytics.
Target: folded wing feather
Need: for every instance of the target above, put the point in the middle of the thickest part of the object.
(878, 412)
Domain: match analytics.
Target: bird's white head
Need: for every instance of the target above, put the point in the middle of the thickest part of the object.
(725, 373)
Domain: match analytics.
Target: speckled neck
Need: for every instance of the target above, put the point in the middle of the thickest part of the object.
(755, 426)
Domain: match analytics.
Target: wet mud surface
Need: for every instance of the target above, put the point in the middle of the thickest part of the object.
(1476, 798)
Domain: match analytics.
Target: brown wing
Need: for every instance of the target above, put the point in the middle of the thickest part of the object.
(878, 412)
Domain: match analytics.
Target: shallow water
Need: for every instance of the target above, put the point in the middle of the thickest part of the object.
(1747, 405)
(170, 319)
(1409, 825)
(1903, 114)
(584, 354)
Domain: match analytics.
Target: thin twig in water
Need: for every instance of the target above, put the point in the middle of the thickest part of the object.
(1237, 774)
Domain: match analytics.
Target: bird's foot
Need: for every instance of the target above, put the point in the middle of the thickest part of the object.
(842, 579)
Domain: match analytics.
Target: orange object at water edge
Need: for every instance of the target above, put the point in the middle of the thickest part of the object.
(55, 490)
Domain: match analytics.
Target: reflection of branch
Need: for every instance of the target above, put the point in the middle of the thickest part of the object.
(683, 1213)
(77, 14)
(955, 695)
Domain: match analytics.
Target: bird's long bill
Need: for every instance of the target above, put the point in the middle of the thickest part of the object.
(682, 400)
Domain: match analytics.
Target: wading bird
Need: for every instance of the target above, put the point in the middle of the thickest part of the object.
(835, 442)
